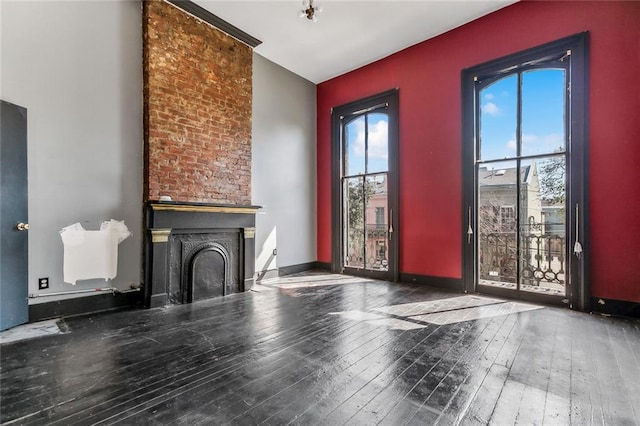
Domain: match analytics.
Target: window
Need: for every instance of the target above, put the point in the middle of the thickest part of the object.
(507, 218)
(379, 216)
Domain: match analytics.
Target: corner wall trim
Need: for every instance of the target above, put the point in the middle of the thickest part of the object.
(208, 17)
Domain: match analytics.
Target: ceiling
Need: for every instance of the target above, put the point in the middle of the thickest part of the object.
(348, 34)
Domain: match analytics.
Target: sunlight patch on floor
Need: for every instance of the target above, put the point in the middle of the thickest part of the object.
(409, 316)
(439, 305)
(378, 320)
(476, 312)
(309, 281)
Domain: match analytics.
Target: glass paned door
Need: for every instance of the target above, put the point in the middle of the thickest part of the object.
(364, 195)
(521, 181)
(525, 177)
(365, 191)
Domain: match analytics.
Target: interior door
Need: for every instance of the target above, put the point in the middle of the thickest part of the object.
(14, 305)
(365, 187)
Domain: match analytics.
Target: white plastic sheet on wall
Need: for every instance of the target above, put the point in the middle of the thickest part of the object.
(92, 254)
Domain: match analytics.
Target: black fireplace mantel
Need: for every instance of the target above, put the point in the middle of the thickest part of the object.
(169, 222)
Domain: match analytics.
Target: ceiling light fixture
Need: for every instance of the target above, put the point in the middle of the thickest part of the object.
(310, 11)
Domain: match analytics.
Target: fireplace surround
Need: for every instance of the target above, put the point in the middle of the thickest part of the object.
(197, 128)
(197, 251)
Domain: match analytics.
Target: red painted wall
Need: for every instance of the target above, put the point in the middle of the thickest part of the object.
(428, 76)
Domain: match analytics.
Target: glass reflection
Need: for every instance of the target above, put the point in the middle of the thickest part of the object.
(543, 227)
(354, 193)
(497, 210)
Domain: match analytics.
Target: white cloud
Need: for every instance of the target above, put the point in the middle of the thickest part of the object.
(489, 96)
(491, 109)
(378, 140)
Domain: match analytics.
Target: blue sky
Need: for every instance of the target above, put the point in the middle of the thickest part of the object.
(542, 122)
(378, 144)
(542, 115)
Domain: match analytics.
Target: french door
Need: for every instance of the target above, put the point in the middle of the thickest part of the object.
(365, 215)
(525, 186)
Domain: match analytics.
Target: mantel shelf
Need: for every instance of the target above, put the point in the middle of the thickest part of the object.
(203, 208)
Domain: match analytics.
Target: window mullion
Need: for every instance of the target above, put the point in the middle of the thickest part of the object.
(518, 175)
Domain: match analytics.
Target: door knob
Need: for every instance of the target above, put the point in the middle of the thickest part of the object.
(22, 226)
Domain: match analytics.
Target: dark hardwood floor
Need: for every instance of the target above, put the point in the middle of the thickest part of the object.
(329, 349)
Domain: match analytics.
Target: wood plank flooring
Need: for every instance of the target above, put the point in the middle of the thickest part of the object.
(330, 350)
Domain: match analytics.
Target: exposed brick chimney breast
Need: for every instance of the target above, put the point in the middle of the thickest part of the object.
(197, 99)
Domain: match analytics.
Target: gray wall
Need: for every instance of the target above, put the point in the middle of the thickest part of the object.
(77, 68)
(283, 166)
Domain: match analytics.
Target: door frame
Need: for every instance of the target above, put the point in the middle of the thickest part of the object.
(390, 99)
(578, 292)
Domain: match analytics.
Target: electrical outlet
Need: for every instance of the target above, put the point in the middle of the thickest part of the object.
(43, 283)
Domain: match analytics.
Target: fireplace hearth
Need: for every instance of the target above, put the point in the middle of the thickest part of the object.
(198, 251)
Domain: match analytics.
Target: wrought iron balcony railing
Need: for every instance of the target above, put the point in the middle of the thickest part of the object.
(542, 257)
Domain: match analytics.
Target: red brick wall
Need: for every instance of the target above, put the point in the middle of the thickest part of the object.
(197, 107)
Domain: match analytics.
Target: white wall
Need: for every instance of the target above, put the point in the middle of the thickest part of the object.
(283, 166)
(77, 68)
